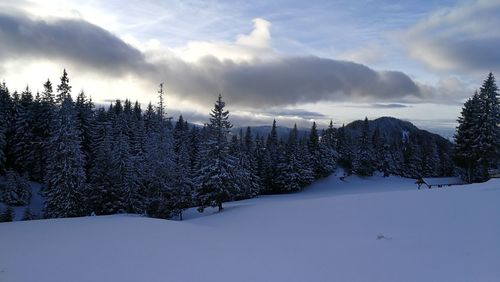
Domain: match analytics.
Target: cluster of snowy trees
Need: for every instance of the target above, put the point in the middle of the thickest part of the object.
(122, 159)
(477, 139)
(126, 160)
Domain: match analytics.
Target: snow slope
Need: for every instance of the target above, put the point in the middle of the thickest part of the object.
(371, 229)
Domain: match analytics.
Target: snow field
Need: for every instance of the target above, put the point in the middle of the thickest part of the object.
(373, 229)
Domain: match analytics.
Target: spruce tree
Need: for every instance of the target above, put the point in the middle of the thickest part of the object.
(159, 164)
(65, 177)
(5, 120)
(363, 163)
(293, 175)
(270, 161)
(84, 120)
(15, 190)
(216, 177)
(182, 189)
(345, 150)
(487, 143)
(102, 194)
(477, 144)
(464, 153)
(23, 137)
(63, 89)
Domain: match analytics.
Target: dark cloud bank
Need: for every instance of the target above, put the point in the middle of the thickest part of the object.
(277, 82)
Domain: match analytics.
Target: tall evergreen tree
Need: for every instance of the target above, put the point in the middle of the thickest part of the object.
(15, 190)
(464, 154)
(43, 125)
(84, 120)
(182, 190)
(63, 89)
(216, 178)
(293, 174)
(345, 150)
(364, 161)
(65, 177)
(5, 121)
(477, 145)
(270, 161)
(23, 138)
(159, 164)
(487, 142)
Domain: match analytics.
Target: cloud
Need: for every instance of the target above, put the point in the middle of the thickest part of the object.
(255, 45)
(244, 77)
(389, 106)
(448, 90)
(379, 106)
(285, 81)
(372, 53)
(295, 113)
(462, 38)
(72, 40)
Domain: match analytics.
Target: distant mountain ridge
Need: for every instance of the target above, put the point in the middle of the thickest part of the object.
(394, 129)
(391, 127)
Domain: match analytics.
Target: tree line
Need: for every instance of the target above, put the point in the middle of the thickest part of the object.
(123, 159)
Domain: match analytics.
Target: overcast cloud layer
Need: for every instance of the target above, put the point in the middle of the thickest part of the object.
(462, 38)
(275, 81)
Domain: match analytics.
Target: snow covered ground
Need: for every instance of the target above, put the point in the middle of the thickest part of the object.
(371, 229)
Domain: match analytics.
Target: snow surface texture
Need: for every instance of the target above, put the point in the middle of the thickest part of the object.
(371, 229)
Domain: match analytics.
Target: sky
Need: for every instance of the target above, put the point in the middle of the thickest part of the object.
(296, 61)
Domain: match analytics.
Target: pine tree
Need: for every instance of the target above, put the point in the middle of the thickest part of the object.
(15, 190)
(345, 149)
(246, 179)
(182, 190)
(477, 148)
(248, 162)
(363, 163)
(195, 148)
(23, 138)
(388, 160)
(412, 165)
(84, 120)
(292, 173)
(65, 177)
(63, 89)
(216, 177)
(10, 156)
(329, 137)
(487, 142)
(159, 164)
(5, 121)
(464, 153)
(126, 177)
(259, 159)
(430, 159)
(270, 161)
(313, 146)
(102, 194)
